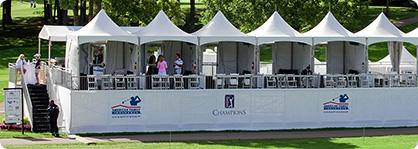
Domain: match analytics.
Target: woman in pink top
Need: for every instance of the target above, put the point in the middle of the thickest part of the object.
(162, 65)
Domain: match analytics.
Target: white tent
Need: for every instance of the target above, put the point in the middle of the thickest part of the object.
(235, 50)
(55, 33)
(100, 29)
(162, 29)
(290, 50)
(345, 53)
(382, 30)
(406, 58)
(412, 37)
(171, 39)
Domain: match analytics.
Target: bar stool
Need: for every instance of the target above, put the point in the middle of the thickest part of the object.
(92, 82)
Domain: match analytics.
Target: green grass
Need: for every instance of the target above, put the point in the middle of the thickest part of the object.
(386, 142)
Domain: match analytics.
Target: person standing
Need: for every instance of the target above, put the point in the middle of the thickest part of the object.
(152, 67)
(37, 67)
(20, 63)
(53, 112)
(307, 71)
(178, 64)
(162, 65)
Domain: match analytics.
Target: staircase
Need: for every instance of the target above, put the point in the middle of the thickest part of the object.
(40, 100)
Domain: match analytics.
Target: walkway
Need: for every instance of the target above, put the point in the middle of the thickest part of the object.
(407, 21)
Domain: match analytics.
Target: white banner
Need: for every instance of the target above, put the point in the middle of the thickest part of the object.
(251, 109)
(13, 105)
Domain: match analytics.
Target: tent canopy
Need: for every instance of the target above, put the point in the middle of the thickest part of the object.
(162, 29)
(329, 29)
(277, 29)
(380, 30)
(57, 33)
(406, 58)
(412, 36)
(220, 29)
(102, 28)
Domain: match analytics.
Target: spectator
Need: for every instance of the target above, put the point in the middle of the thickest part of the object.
(178, 64)
(307, 71)
(20, 63)
(152, 67)
(37, 66)
(33, 3)
(162, 65)
(53, 112)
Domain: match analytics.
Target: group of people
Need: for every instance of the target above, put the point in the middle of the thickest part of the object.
(21, 63)
(160, 66)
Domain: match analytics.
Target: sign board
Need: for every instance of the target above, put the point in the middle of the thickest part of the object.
(13, 105)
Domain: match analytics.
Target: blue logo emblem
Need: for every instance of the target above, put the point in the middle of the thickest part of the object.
(340, 106)
(128, 108)
(229, 101)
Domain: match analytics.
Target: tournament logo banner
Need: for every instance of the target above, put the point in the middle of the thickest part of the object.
(229, 108)
(128, 108)
(337, 106)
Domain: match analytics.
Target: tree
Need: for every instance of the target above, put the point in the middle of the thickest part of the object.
(141, 12)
(7, 13)
(192, 15)
(302, 15)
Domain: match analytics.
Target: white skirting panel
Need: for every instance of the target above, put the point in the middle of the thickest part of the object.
(249, 109)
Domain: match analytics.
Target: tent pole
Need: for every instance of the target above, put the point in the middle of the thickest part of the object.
(366, 64)
(416, 58)
(39, 45)
(344, 57)
(313, 55)
(49, 49)
(256, 58)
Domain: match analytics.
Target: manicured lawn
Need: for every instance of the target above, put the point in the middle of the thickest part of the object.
(386, 142)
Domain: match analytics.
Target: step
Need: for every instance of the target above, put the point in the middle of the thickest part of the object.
(36, 86)
(33, 94)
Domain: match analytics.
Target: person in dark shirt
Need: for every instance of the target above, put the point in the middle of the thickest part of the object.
(53, 112)
(152, 66)
(307, 71)
(37, 67)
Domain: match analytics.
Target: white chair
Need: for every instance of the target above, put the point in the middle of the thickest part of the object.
(233, 81)
(178, 82)
(291, 81)
(271, 81)
(165, 82)
(92, 82)
(107, 82)
(120, 83)
(155, 82)
(194, 82)
(220, 81)
(341, 82)
(352, 81)
(131, 82)
(329, 81)
(247, 81)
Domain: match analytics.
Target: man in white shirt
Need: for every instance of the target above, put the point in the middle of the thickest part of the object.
(178, 65)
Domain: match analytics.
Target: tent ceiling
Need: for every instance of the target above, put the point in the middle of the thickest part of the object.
(329, 29)
(102, 28)
(277, 29)
(161, 28)
(380, 30)
(220, 29)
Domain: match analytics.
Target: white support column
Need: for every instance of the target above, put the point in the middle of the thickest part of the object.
(416, 71)
(366, 64)
(199, 58)
(313, 56)
(39, 45)
(49, 49)
(255, 59)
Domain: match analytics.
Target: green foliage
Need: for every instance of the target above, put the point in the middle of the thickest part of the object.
(300, 14)
(141, 12)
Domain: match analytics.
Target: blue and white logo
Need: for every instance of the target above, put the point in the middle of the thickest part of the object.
(340, 106)
(128, 108)
(229, 101)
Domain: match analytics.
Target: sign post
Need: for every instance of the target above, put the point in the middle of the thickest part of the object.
(14, 106)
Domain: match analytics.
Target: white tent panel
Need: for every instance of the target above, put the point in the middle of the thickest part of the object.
(290, 55)
(186, 51)
(406, 58)
(162, 29)
(233, 57)
(56, 33)
(345, 56)
(329, 29)
(380, 30)
(220, 29)
(277, 29)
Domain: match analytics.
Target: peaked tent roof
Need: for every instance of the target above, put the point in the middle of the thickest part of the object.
(161, 28)
(412, 36)
(380, 30)
(220, 29)
(277, 29)
(102, 28)
(329, 29)
(406, 58)
(56, 33)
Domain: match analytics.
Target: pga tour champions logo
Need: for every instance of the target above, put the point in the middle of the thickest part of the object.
(337, 106)
(128, 108)
(229, 108)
